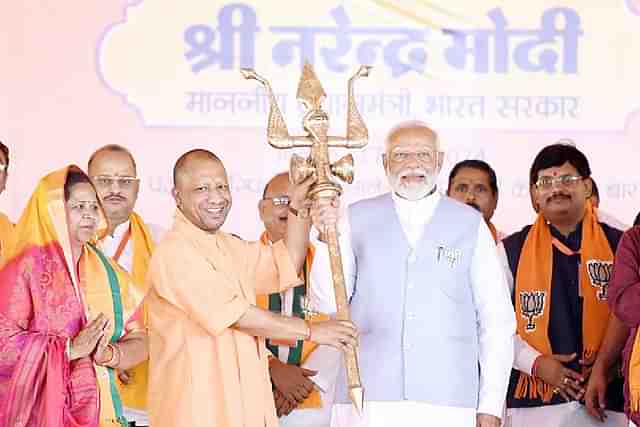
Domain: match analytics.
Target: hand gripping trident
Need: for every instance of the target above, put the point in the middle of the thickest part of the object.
(316, 124)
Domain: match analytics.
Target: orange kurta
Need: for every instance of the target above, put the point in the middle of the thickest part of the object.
(203, 373)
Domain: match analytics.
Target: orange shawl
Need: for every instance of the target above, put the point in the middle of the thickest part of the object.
(533, 293)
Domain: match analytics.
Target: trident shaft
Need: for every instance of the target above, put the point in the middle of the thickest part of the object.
(316, 124)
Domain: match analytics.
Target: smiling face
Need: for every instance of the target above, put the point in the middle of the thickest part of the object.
(412, 161)
(273, 209)
(202, 193)
(83, 213)
(562, 202)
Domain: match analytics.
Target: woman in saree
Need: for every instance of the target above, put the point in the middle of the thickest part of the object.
(68, 317)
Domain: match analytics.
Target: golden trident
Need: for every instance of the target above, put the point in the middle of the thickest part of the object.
(316, 124)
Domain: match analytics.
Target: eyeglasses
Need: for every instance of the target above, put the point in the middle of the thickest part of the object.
(107, 181)
(279, 200)
(426, 156)
(566, 181)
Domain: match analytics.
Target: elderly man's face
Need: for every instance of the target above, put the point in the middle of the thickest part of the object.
(412, 162)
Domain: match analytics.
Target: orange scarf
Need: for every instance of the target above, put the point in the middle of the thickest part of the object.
(6, 236)
(494, 232)
(134, 394)
(533, 294)
(314, 401)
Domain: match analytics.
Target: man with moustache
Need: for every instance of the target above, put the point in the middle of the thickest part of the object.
(474, 183)
(303, 396)
(558, 269)
(6, 227)
(206, 340)
(427, 293)
(130, 242)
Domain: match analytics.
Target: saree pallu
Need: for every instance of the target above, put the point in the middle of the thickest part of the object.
(42, 305)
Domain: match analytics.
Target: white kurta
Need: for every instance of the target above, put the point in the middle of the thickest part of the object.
(560, 415)
(322, 360)
(109, 246)
(496, 327)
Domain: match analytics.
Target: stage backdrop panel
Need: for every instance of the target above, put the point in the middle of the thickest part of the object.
(497, 79)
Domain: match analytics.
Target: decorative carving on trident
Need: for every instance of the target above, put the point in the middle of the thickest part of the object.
(316, 124)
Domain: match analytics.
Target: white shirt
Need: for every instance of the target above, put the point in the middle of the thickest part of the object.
(496, 319)
(110, 243)
(109, 246)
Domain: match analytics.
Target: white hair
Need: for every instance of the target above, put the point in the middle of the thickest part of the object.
(410, 124)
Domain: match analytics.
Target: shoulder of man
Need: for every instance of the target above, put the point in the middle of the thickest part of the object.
(172, 245)
(613, 235)
(157, 232)
(368, 202)
(466, 211)
(5, 218)
(513, 245)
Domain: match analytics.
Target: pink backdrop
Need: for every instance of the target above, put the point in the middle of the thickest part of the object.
(55, 109)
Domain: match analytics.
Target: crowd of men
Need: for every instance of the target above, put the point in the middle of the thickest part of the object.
(455, 323)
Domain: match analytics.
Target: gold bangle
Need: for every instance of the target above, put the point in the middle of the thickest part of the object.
(113, 356)
(117, 349)
(116, 356)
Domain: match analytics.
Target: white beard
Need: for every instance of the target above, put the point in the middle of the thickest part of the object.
(415, 191)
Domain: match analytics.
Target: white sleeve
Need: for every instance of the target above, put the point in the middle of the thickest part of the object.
(496, 324)
(325, 359)
(321, 294)
(523, 354)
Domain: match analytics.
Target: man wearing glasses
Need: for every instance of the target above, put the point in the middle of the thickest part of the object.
(567, 343)
(427, 292)
(303, 396)
(6, 227)
(130, 242)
